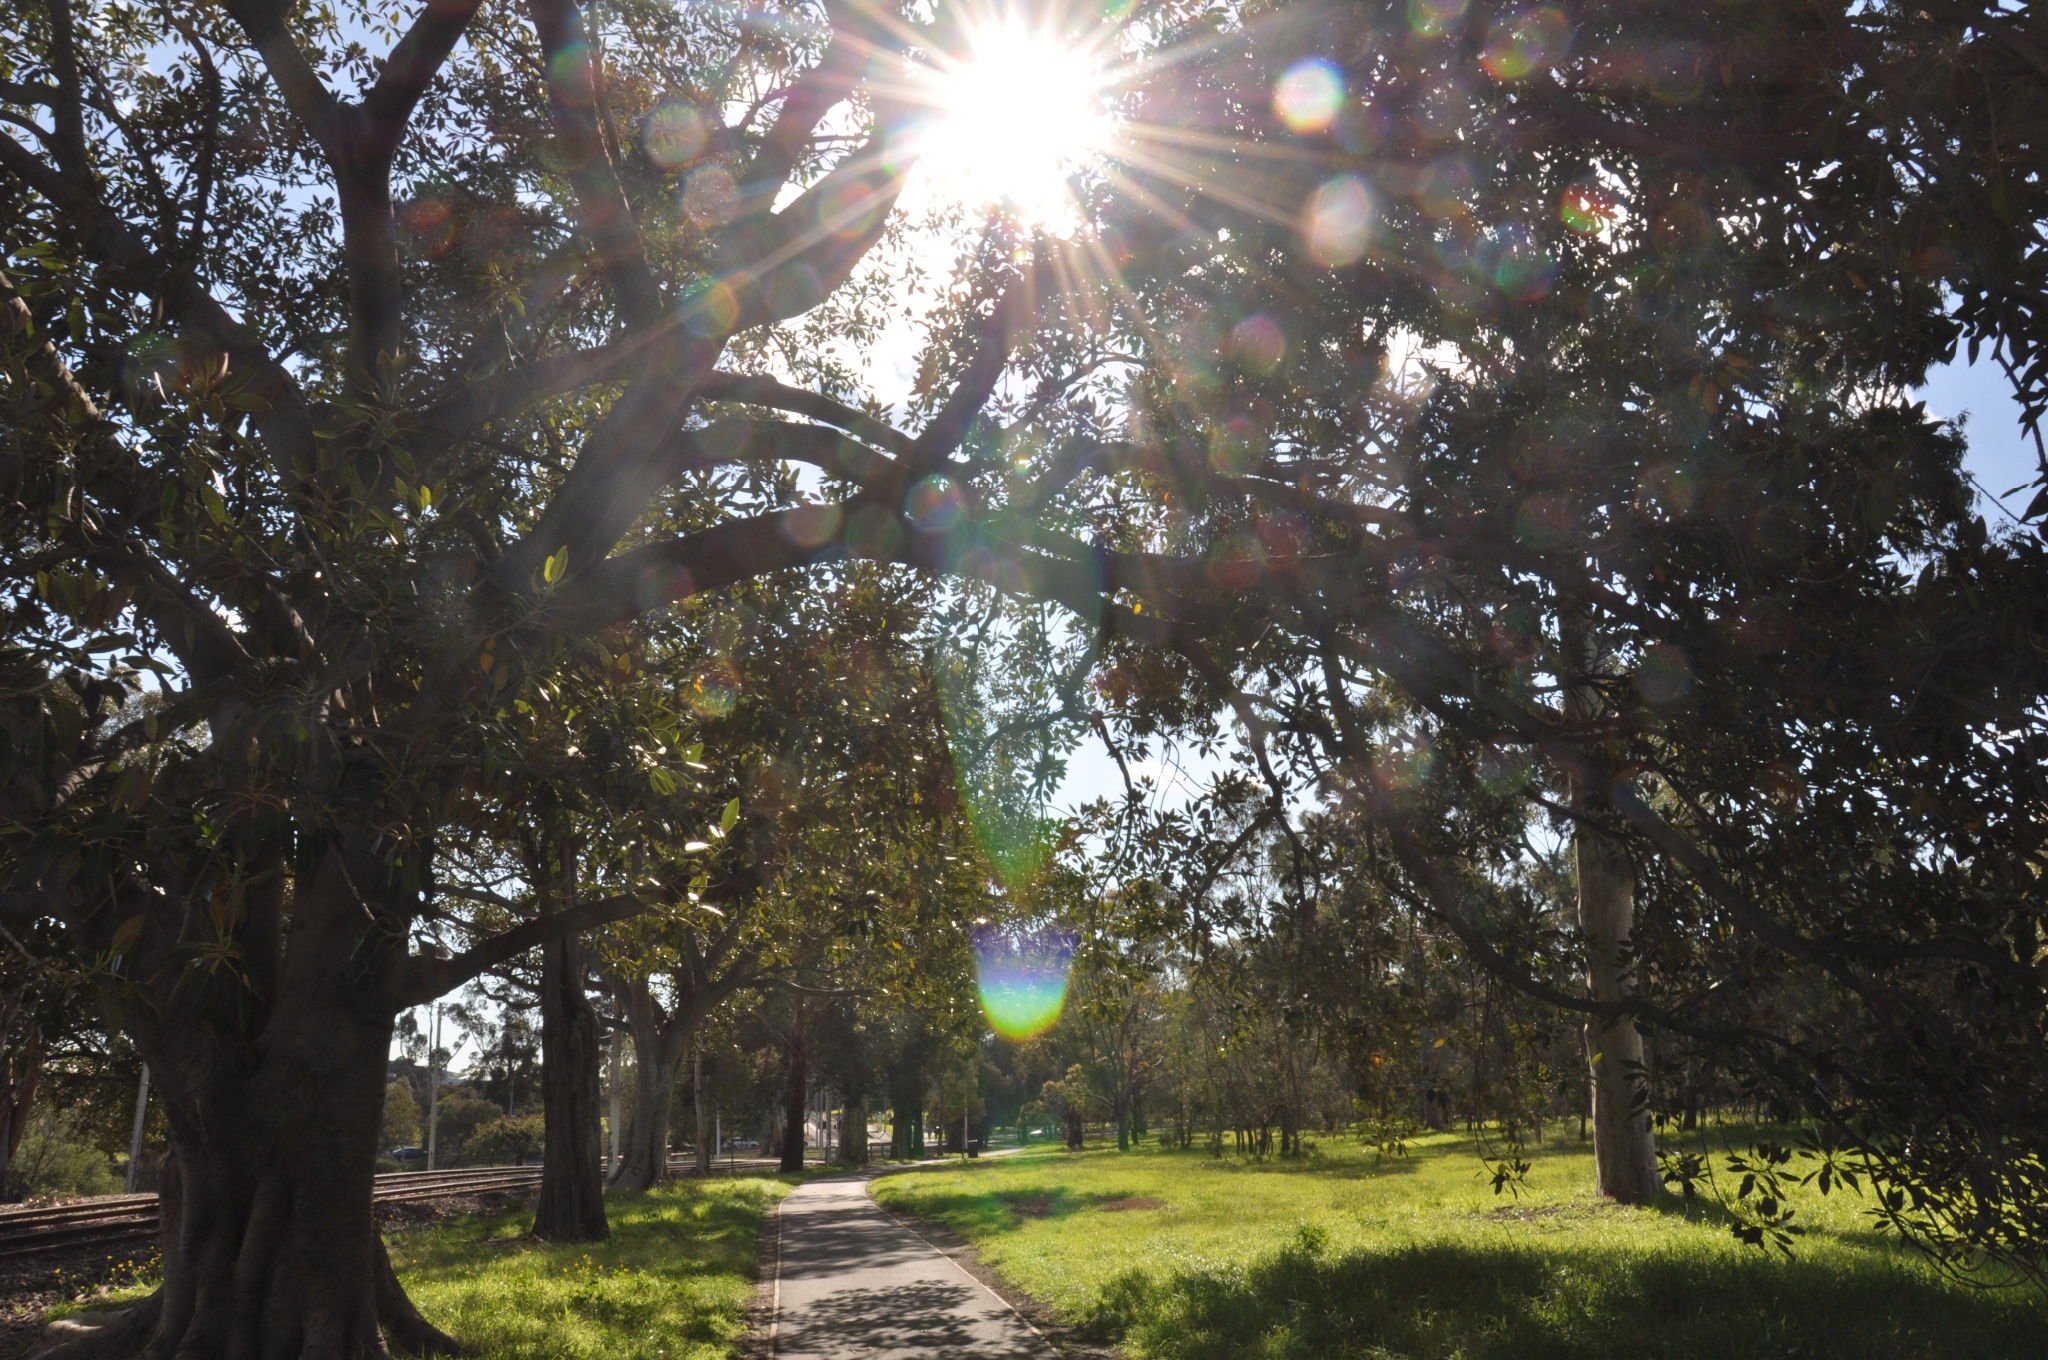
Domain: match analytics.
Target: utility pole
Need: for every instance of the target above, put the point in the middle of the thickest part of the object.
(135, 1138)
(434, 1087)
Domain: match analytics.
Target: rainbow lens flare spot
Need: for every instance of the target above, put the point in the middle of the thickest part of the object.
(1309, 95)
(1337, 221)
(1022, 976)
(1526, 43)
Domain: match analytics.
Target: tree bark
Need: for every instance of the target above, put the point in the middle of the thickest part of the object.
(793, 1101)
(657, 1052)
(571, 1205)
(704, 1148)
(853, 1133)
(1624, 1146)
(272, 1083)
(17, 1098)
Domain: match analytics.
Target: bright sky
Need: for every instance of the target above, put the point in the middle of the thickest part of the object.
(2000, 456)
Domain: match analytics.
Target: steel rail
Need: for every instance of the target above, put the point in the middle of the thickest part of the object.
(35, 1230)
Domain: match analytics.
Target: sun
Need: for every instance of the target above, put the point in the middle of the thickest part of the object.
(1014, 120)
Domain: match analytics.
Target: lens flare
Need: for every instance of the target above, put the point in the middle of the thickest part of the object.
(936, 504)
(1259, 343)
(711, 197)
(1588, 209)
(673, 135)
(1337, 222)
(1309, 95)
(1525, 43)
(1022, 977)
(1014, 119)
(1435, 18)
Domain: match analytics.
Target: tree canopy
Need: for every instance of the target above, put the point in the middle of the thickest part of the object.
(1502, 417)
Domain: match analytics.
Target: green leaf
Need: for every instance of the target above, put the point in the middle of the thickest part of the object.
(729, 818)
(551, 571)
(126, 935)
(661, 781)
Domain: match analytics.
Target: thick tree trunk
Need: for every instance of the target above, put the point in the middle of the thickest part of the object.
(272, 1082)
(643, 1163)
(703, 1143)
(1624, 1146)
(571, 1205)
(906, 1139)
(793, 1099)
(276, 1251)
(853, 1133)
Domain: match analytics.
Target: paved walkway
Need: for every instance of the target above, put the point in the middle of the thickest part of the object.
(850, 1284)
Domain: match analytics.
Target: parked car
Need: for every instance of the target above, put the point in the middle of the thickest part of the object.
(409, 1158)
(742, 1144)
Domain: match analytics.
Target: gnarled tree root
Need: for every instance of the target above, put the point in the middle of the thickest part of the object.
(104, 1334)
(124, 1333)
(405, 1331)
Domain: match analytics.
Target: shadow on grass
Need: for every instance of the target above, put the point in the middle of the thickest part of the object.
(670, 1283)
(1516, 1303)
(1001, 1211)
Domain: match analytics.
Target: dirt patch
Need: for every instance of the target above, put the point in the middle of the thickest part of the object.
(1039, 1206)
(1130, 1204)
(1064, 1336)
(400, 1215)
(1537, 1213)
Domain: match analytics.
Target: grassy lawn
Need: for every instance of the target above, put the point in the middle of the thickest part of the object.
(670, 1284)
(1181, 1256)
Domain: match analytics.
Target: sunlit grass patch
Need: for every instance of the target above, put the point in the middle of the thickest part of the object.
(1346, 1253)
(670, 1284)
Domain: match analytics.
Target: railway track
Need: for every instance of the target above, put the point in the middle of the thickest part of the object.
(121, 1219)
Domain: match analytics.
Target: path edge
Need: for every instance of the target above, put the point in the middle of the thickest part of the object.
(1063, 1337)
(758, 1341)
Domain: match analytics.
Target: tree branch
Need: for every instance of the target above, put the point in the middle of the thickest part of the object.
(780, 396)
(422, 977)
(409, 70)
(601, 207)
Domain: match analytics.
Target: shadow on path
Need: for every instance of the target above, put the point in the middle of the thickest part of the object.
(851, 1283)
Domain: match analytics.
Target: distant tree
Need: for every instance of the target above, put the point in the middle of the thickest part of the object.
(401, 1117)
(1071, 1100)
(461, 1114)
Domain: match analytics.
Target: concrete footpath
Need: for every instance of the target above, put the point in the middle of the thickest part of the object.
(850, 1283)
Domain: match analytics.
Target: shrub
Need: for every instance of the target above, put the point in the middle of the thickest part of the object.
(507, 1140)
(56, 1158)
(461, 1114)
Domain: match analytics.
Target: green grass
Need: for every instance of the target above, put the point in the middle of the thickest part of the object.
(1181, 1256)
(671, 1283)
